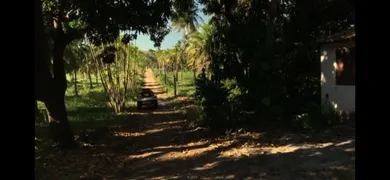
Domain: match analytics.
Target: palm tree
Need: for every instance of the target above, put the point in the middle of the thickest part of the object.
(186, 22)
(196, 49)
(164, 58)
(74, 56)
(86, 63)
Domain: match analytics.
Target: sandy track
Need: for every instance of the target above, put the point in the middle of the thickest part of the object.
(172, 151)
(160, 145)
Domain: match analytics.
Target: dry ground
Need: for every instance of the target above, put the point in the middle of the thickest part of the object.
(160, 145)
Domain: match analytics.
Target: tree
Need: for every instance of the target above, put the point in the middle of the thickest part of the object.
(74, 55)
(263, 59)
(165, 58)
(115, 76)
(188, 21)
(87, 65)
(101, 21)
(196, 49)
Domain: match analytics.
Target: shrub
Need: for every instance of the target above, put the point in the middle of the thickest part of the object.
(318, 117)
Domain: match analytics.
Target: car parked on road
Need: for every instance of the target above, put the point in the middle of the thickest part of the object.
(147, 99)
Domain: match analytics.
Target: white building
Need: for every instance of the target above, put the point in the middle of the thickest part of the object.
(338, 70)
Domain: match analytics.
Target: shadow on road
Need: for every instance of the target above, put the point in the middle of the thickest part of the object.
(160, 144)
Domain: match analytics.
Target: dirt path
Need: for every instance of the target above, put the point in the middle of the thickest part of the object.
(169, 150)
(160, 145)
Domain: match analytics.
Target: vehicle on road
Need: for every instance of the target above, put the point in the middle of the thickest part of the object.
(147, 99)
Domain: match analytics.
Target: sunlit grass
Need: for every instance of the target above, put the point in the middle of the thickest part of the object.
(90, 103)
(88, 110)
(185, 85)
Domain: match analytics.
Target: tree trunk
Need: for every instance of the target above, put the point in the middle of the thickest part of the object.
(174, 85)
(135, 64)
(55, 104)
(175, 77)
(194, 71)
(59, 123)
(75, 82)
(165, 74)
(177, 72)
(135, 75)
(182, 73)
(90, 80)
(51, 90)
(97, 78)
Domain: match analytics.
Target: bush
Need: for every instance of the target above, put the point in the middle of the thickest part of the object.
(220, 105)
(226, 104)
(318, 117)
(211, 98)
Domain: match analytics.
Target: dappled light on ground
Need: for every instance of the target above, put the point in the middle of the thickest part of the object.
(127, 134)
(160, 144)
(191, 153)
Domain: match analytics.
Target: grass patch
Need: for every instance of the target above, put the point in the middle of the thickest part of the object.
(88, 110)
(185, 84)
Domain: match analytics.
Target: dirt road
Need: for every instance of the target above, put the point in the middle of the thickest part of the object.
(169, 150)
(160, 145)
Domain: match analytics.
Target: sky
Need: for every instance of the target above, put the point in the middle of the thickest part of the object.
(144, 42)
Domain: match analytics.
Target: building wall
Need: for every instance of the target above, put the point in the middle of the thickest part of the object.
(342, 97)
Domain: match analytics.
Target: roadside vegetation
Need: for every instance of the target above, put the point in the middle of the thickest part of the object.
(252, 69)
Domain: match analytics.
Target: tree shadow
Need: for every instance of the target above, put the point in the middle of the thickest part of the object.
(160, 144)
(179, 101)
(150, 84)
(334, 160)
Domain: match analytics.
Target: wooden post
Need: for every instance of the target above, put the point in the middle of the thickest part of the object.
(174, 85)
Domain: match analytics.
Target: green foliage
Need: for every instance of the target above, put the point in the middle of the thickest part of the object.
(318, 117)
(119, 77)
(274, 65)
(221, 105)
(102, 21)
(185, 84)
(89, 110)
(211, 100)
